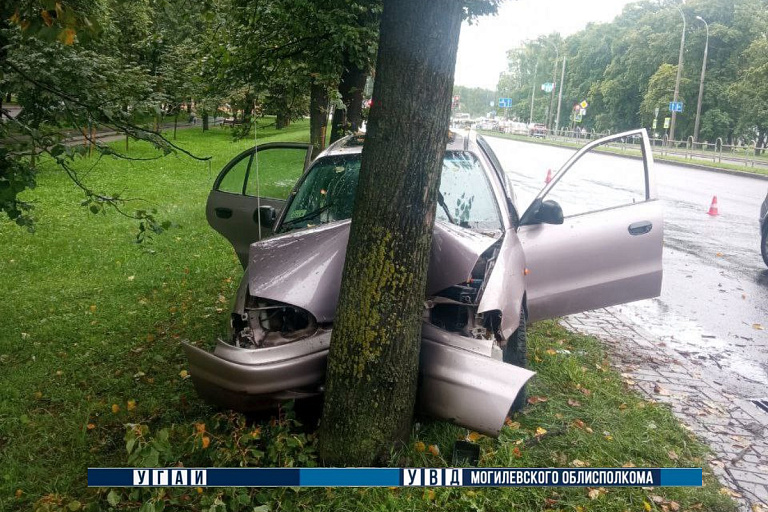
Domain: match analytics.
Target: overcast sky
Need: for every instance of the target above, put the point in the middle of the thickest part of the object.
(483, 46)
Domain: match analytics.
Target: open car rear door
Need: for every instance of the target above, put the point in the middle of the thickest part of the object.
(593, 236)
(250, 192)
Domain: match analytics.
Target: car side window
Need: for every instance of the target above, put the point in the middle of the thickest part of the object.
(599, 181)
(234, 178)
(277, 170)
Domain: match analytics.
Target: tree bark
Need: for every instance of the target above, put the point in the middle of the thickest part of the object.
(205, 121)
(351, 89)
(374, 354)
(318, 116)
(282, 120)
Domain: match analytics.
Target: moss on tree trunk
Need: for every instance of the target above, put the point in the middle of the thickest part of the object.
(373, 361)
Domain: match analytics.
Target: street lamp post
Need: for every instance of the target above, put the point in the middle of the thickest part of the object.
(533, 90)
(554, 81)
(560, 96)
(679, 73)
(701, 82)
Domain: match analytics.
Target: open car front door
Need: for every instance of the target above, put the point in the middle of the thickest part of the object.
(593, 236)
(250, 192)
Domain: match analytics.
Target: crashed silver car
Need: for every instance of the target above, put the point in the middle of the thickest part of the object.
(492, 269)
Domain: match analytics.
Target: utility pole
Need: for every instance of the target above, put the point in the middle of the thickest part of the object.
(533, 90)
(701, 83)
(677, 80)
(552, 93)
(560, 95)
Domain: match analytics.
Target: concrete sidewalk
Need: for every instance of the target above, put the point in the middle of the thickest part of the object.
(736, 430)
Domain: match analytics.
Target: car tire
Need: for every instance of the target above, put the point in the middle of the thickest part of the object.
(516, 353)
(764, 243)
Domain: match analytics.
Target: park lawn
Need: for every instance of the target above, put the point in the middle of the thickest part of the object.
(90, 333)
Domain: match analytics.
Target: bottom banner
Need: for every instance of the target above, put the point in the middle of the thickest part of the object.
(393, 477)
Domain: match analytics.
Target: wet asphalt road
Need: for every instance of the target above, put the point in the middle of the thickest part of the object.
(714, 295)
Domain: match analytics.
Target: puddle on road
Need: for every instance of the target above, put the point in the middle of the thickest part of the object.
(692, 342)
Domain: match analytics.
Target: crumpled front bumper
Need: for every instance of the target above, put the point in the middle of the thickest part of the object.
(462, 380)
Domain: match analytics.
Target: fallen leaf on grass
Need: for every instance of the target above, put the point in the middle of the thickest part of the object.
(131, 405)
(115, 408)
(184, 374)
(656, 499)
(90, 426)
(514, 425)
(672, 455)
(419, 446)
(674, 506)
(629, 464)
(622, 407)
(536, 399)
(574, 403)
(551, 351)
(579, 424)
(540, 431)
(578, 463)
(18, 494)
(516, 452)
(646, 506)
(434, 450)
(595, 493)
(585, 391)
(473, 436)
(206, 442)
(728, 492)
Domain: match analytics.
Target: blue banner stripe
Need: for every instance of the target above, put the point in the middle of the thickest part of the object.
(349, 477)
(688, 477)
(392, 477)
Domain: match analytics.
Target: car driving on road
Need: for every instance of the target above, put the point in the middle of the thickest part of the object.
(493, 268)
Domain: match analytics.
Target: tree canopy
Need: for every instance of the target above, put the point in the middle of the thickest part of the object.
(626, 69)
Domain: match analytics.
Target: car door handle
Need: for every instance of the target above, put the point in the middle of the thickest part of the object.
(223, 213)
(640, 228)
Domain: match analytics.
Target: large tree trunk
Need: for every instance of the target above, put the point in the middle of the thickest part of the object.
(318, 116)
(351, 89)
(374, 355)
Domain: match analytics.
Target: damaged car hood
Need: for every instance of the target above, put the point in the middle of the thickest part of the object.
(304, 268)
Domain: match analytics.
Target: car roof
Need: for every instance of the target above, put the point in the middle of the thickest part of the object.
(353, 144)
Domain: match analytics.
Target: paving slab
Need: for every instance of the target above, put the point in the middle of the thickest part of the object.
(735, 429)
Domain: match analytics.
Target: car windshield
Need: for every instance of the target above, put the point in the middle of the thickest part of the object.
(327, 194)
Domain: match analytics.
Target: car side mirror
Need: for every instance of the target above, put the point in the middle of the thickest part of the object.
(267, 216)
(543, 212)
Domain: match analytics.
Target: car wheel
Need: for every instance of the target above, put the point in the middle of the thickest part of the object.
(764, 244)
(516, 353)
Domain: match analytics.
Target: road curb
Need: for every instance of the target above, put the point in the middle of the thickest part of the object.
(661, 159)
(733, 428)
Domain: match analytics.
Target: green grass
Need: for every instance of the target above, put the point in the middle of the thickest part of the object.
(91, 321)
(636, 154)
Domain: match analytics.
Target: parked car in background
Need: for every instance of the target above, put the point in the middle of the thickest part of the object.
(538, 130)
(493, 268)
(764, 229)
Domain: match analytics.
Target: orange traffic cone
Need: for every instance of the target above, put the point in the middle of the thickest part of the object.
(549, 176)
(713, 207)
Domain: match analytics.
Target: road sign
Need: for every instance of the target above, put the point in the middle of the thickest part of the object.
(675, 106)
(656, 112)
(547, 87)
(653, 124)
(583, 112)
(505, 102)
(584, 104)
(666, 122)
